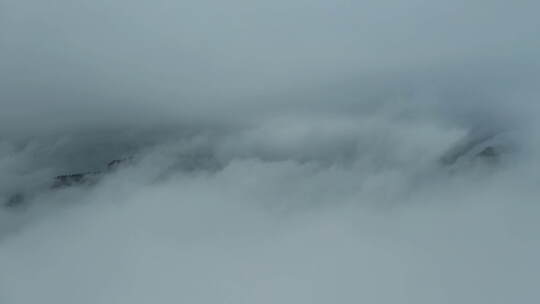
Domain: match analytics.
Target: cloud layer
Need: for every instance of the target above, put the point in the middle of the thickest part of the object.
(283, 152)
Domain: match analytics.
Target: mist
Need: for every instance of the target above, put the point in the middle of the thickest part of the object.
(269, 152)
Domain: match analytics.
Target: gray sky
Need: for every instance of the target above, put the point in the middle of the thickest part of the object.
(80, 63)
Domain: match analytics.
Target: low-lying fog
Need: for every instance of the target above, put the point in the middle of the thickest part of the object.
(269, 151)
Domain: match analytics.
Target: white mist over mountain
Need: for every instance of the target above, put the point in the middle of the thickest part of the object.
(269, 152)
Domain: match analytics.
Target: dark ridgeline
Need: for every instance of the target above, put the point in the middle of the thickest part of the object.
(486, 146)
(483, 146)
(70, 180)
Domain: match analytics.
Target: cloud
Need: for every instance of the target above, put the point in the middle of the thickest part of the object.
(279, 151)
(73, 64)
